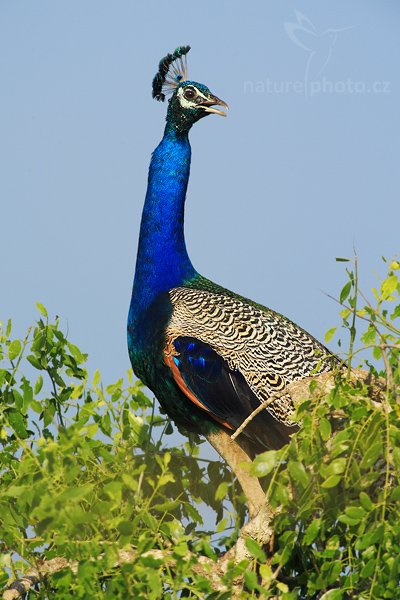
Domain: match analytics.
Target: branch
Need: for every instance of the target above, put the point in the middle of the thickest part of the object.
(258, 528)
(238, 458)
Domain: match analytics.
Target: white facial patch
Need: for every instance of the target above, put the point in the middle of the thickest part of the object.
(192, 102)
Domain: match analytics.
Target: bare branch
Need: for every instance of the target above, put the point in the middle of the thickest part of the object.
(237, 458)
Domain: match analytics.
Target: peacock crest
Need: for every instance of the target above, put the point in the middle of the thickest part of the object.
(172, 70)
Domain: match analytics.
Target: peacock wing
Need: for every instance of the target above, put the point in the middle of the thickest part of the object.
(228, 355)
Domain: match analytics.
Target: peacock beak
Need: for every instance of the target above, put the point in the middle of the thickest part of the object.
(208, 105)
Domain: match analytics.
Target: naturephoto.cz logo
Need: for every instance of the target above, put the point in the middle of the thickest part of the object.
(318, 47)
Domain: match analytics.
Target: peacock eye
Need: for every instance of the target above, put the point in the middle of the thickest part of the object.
(189, 93)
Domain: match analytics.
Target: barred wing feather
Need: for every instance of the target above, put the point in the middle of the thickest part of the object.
(260, 352)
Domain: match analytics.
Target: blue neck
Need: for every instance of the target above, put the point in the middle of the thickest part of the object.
(162, 260)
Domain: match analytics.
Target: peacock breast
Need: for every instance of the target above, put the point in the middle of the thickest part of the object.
(146, 335)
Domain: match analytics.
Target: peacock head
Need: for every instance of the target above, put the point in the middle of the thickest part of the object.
(190, 101)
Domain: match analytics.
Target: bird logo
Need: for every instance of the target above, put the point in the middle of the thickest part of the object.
(318, 44)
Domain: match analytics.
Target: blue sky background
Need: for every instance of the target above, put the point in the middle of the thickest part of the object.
(305, 167)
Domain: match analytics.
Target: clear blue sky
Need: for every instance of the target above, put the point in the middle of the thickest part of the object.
(305, 166)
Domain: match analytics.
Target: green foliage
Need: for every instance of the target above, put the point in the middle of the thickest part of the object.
(337, 484)
(86, 470)
(89, 469)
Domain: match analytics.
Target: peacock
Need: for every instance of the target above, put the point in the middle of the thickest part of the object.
(209, 355)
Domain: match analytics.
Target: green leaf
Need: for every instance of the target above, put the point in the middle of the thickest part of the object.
(369, 337)
(36, 406)
(298, 472)
(164, 479)
(96, 378)
(345, 313)
(27, 395)
(41, 309)
(396, 313)
(337, 466)
(16, 491)
(8, 328)
(149, 520)
(125, 527)
(345, 292)
(396, 457)
(255, 549)
(329, 334)
(388, 286)
(325, 429)
(332, 595)
(264, 463)
(14, 349)
(166, 506)
(339, 259)
(221, 526)
(312, 531)
(181, 549)
(4, 374)
(331, 481)
(371, 455)
(34, 362)
(377, 353)
(221, 491)
(370, 538)
(113, 489)
(76, 353)
(17, 422)
(368, 569)
(395, 495)
(348, 520)
(365, 501)
(38, 385)
(74, 493)
(266, 573)
(251, 580)
(355, 512)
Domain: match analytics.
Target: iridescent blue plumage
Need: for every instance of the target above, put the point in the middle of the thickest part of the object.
(209, 355)
(163, 261)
